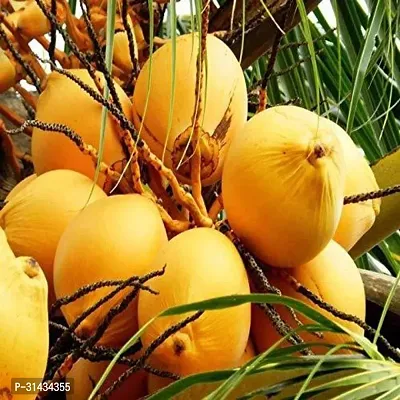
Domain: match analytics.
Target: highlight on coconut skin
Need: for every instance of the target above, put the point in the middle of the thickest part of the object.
(199, 200)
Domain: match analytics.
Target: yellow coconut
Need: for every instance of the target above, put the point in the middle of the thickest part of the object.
(24, 322)
(225, 108)
(260, 380)
(201, 264)
(85, 374)
(64, 102)
(155, 382)
(121, 55)
(113, 238)
(283, 185)
(35, 217)
(7, 72)
(334, 277)
(32, 22)
(20, 186)
(358, 218)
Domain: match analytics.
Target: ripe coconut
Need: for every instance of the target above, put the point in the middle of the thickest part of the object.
(85, 375)
(19, 186)
(201, 264)
(261, 380)
(283, 185)
(7, 72)
(358, 218)
(35, 217)
(64, 102)
(30, 21)
(24, 321)
(225, 104)
(155, 382)
(113, 238)
(334, 277)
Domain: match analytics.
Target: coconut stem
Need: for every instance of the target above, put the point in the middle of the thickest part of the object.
(195, 162)
(182, 197)
(158, 189)
(59, 55)
(216, 207)
(358, 198)
(131, 42)
(8, 148)
(272, 58)
(60, 374)
(29, 98)
(14, 118)
(339, 314)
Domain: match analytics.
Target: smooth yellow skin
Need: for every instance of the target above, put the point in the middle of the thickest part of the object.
(135, 387)
(225, 87)
(24, 321)
(20, 186)
(280, 199)
(201, 264)
(250, 383)
(358, 218)
(36, 216)
(113, 238)
(334, 277)
(7, 72)
(155, 383)
(64, 102)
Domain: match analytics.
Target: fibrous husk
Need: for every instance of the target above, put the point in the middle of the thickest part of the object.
(201, 264)
(224, 109)
(283, 185)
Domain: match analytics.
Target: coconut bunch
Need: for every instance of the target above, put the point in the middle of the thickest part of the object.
(284, 175)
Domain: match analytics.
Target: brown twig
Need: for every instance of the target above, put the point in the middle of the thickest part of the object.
(216, 207)
(195, 162)
(14, 118)
(29, 97)
(274, 52)
(8, 148)
(358, 198)
(131, 41)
